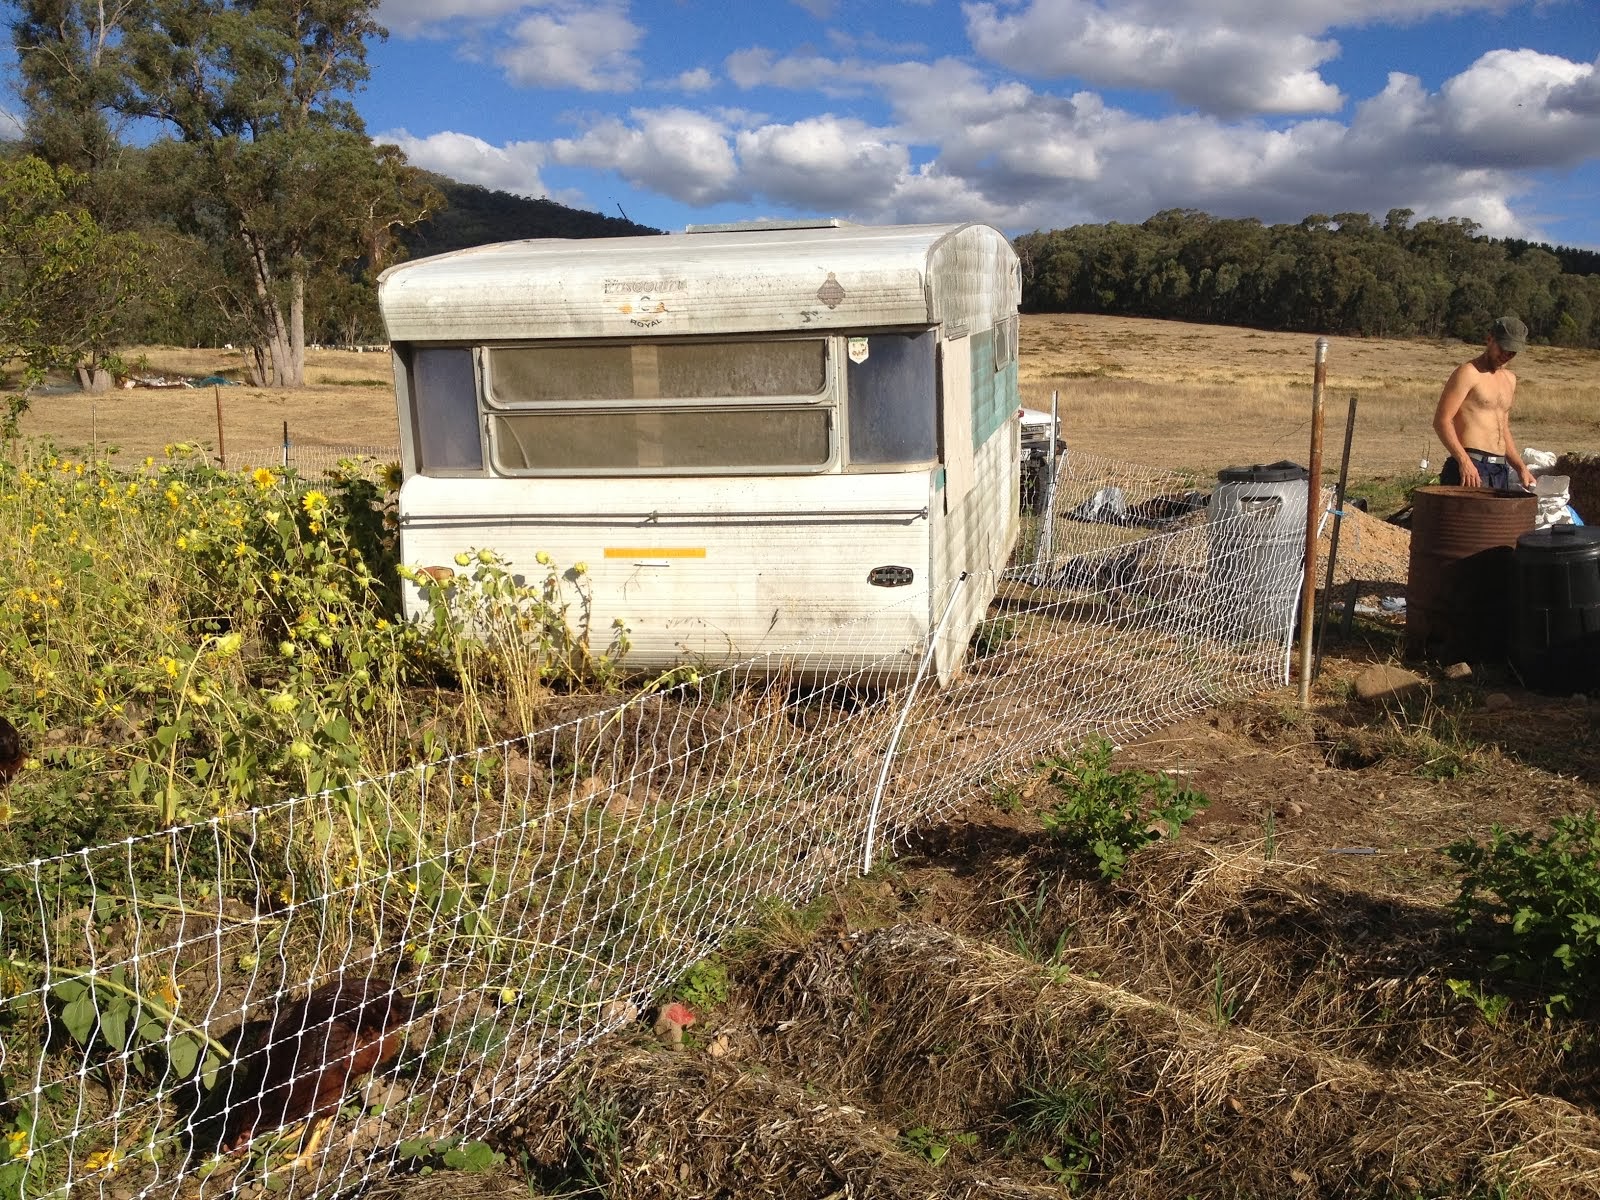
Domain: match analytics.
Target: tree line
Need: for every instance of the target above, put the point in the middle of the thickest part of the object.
(1343, 274)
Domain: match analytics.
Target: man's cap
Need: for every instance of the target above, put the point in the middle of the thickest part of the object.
(1510, 334)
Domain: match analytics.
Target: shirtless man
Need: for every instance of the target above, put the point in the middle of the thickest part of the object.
(1473, 417)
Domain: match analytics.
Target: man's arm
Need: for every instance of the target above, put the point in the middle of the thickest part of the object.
(1456, 390)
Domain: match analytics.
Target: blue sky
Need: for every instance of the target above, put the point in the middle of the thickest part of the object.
(1030, 114)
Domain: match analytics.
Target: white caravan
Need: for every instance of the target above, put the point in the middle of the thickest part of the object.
(755, 437)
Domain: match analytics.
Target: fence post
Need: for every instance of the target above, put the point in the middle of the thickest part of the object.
(900, 725)
(222, 450)
(1308, 583)
(286, 445)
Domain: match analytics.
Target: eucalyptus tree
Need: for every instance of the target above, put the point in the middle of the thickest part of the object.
(64, 281)
(277, 173)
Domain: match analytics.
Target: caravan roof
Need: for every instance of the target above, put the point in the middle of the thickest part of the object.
(829, 277)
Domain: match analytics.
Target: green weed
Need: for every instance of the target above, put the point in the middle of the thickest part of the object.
(934, 1145)
(1111, 814)
(1539, 897)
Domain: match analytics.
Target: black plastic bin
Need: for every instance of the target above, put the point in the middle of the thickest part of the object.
(1556, 642)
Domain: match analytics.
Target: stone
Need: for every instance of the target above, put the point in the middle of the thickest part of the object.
(1458, 671)
(1385, 680)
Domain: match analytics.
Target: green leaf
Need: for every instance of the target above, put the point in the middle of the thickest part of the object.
(114, 1022)
(68, 989)
(81, 1018)
(184, 1054)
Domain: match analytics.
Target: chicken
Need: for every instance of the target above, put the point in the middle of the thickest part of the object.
(10, 751)
(298, 1067)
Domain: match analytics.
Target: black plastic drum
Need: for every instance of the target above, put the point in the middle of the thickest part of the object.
(1556, 641)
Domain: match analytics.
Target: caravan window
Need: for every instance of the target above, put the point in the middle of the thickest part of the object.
(891, 398)
(444, 395)
(584, 375)
(661, 407)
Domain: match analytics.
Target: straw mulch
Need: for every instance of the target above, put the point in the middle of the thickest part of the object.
(1179, 1102)
(640, 1121)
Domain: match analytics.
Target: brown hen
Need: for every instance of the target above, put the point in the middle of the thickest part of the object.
(10, 751)
(301, 1065)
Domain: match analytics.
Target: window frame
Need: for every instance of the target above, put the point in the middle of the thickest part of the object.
(407, 353)
(848, 465)
(826, 401)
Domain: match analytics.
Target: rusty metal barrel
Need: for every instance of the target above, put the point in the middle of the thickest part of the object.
(1461, 581)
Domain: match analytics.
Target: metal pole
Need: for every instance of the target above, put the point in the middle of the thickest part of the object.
(1333, 540)
(222, 450)
(1046, 547)
(1308, 584)
(286, 445)
(900, 725)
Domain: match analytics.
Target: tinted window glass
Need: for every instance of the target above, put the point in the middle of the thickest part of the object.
(892, 400)
(445, 396)
(663, 440)
(527, 375)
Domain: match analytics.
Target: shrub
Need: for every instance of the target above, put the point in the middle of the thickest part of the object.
(1111, 814)
(1539, 897)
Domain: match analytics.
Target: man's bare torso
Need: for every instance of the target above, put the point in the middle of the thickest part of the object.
(1480, 420)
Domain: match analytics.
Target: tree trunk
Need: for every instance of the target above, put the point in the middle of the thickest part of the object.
(93, 380)
(297, 323)
(275, 339)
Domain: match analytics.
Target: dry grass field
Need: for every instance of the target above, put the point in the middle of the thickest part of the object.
(1162, 393)
(1206, 396)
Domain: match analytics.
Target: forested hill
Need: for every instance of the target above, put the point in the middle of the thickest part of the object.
(1344, 274)
(476, 216)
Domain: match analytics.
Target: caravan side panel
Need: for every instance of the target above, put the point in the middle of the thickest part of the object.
(712, 573)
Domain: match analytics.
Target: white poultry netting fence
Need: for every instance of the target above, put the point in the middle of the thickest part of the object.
(468, 925)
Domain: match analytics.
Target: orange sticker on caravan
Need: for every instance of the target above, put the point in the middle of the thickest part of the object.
(655, 552)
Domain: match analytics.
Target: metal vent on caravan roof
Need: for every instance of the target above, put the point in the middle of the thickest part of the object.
(754, 226)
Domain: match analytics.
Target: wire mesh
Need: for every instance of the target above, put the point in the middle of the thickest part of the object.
(308, 993)
(308, 458)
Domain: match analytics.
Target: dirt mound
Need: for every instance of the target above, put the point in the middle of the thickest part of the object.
(1369, 549)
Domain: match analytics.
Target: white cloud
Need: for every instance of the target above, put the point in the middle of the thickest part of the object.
(697, 80)
(824, 165)
(820, 9)
(1512, 109)
(411, 18)
(681, 154)
(1021, 158)
(960, 144)
(1216, 66)
(588, 47)
(513, 167)
(1582, 96)
(1230, 57)
(11, 125)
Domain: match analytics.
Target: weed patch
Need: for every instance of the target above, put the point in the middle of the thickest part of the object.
(1111, 814)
